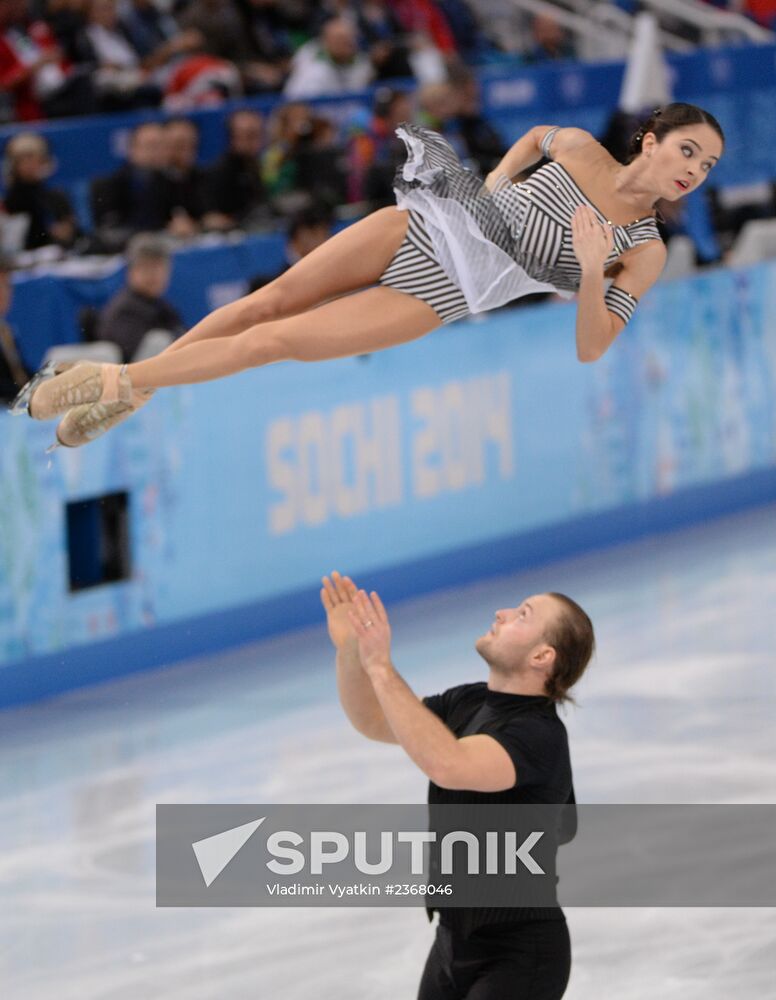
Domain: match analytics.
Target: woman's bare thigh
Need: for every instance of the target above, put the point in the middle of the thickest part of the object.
(350, 260)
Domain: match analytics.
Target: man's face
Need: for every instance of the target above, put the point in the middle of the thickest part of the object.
(149, 277)
(6, 293)
(181, 141)
(246, 134)
(31, 165)
(517, 636)
(147, 148)
(339, 41)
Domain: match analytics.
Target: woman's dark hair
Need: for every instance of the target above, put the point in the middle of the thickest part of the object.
(571, 636)
(667, 119)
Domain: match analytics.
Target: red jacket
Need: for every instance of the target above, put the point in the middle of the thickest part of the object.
(424, 16)
(14, 72)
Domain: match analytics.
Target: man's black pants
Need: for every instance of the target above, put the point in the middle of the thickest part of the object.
(527, 961)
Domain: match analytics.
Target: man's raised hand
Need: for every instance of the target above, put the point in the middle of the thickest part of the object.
(373, 631)
(337, 596)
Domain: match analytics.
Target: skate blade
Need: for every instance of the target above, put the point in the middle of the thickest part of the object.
(22, 402)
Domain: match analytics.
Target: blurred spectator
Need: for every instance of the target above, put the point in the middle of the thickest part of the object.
(201, 80)
(484, 144)
(469, 39)
(303, 160)
(424, 18)
(273, 29)
(234, 191)
(13, 371)
(34, 69)
(617, 133)
(155, 34)
(549, 40)
(187, 180)
(220, 25)
(388, 152)
(136, 198)
(307, 230)
(27, 165)
(67, 19)
(438, 109)
(384, 38)
(119, 78)
(329, 64)
(139, 307)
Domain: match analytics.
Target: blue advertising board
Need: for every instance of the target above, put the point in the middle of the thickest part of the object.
(474, 450)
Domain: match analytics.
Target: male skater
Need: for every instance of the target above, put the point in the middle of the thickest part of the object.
(495, 742)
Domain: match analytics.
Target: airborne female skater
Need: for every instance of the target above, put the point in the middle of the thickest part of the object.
(455, 246)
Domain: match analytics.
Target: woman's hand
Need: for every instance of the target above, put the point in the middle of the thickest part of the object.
(592, 240)
(370, 623)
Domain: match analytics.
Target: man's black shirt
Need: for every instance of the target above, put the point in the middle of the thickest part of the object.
(529, 729)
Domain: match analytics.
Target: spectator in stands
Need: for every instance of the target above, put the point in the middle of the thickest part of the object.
(220, 24)
(483, 142)
(136, 198)
(424, 18)
(139, 307)
(271, 29)
(307, 230)
(67, 19)
(438, 105)
(388, 152)
(121, 81)
(13, 371)
(469, 39)
(303, 160)
(34, 69)
(234, 191)
(329, 64)
(549, 40)
(187, 180)
(27, 165)
(155, 34)
(384, 38)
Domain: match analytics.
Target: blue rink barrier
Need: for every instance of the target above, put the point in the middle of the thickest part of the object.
(484, 447)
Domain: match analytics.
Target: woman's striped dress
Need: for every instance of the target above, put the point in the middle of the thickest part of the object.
(468, 249)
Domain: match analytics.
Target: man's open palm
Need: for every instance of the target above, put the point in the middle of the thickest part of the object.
(337, 596)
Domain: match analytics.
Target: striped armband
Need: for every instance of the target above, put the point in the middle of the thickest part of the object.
(547, 142)
(620, 302)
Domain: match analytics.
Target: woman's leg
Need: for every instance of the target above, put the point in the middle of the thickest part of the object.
(355, 324)
(350, 260)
